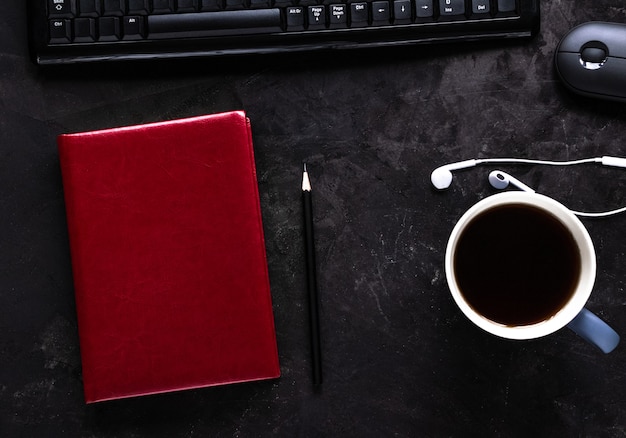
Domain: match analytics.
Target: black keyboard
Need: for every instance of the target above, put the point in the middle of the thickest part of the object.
(76, 31)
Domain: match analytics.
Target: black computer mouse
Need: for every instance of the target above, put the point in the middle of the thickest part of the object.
(591, 60)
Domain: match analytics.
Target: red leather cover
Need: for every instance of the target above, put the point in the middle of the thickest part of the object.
(168, 256)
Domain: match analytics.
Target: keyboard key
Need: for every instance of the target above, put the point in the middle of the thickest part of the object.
(133, 27)
(359, 14)
(480, 6)
(138, 7)
(338, 16)
(84, 30)
(113, 8)
(451, 8)
(214, 23)
(402, 11)
(423, 8)
(506, 5)
(187, 6)
(60, 31)
(235, 4)
(211, 5)
(162, 6)
(61, 8)
(263, 4)
(316, 16)
(89, 8)
(295, 17)
(381, 14)
(109, 29)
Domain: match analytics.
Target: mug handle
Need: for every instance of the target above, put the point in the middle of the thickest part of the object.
(595, 331)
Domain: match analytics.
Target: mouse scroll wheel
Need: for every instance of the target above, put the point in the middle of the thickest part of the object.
(593, 54)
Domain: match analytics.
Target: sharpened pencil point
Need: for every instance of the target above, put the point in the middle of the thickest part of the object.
(306, 183)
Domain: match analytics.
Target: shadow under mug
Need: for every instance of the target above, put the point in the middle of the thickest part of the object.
(571, 312)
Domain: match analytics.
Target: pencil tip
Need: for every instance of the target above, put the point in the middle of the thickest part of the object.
(306, 183)
(304, 167)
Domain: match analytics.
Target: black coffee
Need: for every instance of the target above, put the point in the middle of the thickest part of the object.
(516, 264)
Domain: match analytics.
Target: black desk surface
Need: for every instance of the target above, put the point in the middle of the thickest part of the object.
(399, 357)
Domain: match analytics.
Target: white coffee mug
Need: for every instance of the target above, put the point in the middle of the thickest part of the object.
(570, 312)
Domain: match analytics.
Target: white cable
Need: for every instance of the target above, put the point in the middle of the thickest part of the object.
(544, 162)
(601, 214)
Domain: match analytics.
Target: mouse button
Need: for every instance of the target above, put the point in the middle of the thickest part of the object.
(576, 38)
(612, 38)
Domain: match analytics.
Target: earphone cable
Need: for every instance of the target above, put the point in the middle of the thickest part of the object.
(601, 214)
(543, 162)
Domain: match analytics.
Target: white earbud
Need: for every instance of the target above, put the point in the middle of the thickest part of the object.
(501, 180)
(442, 176)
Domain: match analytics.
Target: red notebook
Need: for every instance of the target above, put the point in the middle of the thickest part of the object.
(168, 257)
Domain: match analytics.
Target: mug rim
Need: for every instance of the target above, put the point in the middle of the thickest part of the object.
(585, 283)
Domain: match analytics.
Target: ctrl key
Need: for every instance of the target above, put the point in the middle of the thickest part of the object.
(60, 31)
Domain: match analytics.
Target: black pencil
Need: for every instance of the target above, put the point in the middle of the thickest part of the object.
(311, 275)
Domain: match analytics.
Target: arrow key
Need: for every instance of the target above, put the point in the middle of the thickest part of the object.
(402, 11)
(423, 8)
(380, 13)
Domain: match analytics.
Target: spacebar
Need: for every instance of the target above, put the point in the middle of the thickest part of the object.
(214, 23)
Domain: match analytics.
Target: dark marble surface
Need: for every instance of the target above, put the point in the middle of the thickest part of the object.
(399, 358)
